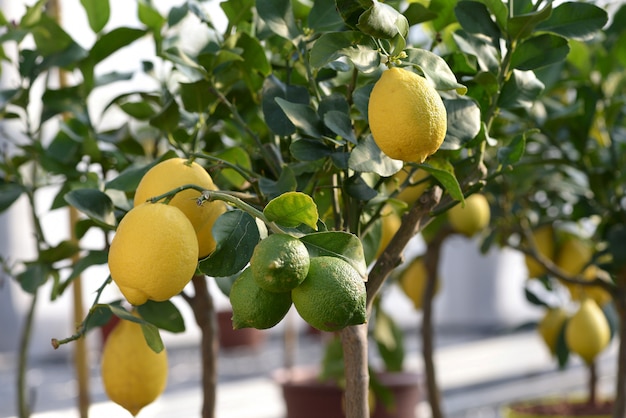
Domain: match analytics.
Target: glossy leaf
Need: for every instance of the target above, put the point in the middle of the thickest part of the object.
(575, 20)
(539, 51)
(474, 17)
(340, 124)
(463, 122)
(443, 171)
(302, 116)
(337, 244)
(278, 16)
(93, 203)
(292, 209)
(354, 45)
(417, 13)
(367, 157)
(276, 118)
(164, 315)
(356, 187)
(520, 90)
(522, 26)
(486, 55)
(383, 21)
(9, 193)
(236, 234)
(324, 16)
(309, 149)
(98, 13)
(435, 69)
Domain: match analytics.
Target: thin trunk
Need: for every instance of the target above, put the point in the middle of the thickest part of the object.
(204, 312)
(431, 261)
(23, 403)
(354, 343)
(619, 407)
(593, 383)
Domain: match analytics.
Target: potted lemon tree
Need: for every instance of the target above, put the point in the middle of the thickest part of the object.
(276, 131)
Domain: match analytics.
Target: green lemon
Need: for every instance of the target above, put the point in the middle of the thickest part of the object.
(279, 263)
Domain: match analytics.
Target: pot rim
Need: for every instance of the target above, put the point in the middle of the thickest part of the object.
(509, 411)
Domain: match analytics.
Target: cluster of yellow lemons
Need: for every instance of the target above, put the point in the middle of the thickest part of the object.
(153, 256)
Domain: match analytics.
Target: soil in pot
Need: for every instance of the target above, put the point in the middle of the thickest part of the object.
(561, 408)
(307, 397)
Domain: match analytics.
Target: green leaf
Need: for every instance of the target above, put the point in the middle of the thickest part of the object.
(278, 15)
(292, 209)
(443, 171)
(49, 37)
(93, 203)
(383, 21)
(463, 123)
(354, 45)
(562, 350)
(275, 117)
(64, 100)
(522, 26)
(324, 17)
(520, 90)
(34, 276)
(486, 55)
(617, 246)
(92, 258)
(98, 13)
(418, 13)
(286, 182)
(513, 152)
(9, 193)
(237, 10)
(226, 283)
(238, 157)
(128, 180)
(367, 157)
(575, 20)
(499, 10)
(99, 316)
(165, 315)
(167, 119)
(236, 234)
(254, 55)
(539, 51)
(302, 116)
(150, 332)
(195, 96)
(389, 339)
(150, 16)
(309, 149)
(63, 250)
(356, 187)
(340, 124)
(534, 299)
(340, 244)
(475, 18)
(113, 41)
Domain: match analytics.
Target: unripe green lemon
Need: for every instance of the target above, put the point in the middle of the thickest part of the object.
(332, 296)
(588, 331)
(406, 116)
(279, 263)
(254, 307)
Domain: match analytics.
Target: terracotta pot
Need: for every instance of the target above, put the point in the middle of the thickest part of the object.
(559, 407)
(245, 337)
(307, 397)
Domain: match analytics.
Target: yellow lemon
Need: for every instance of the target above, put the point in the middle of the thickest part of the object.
(551, 325)
(133, 375)
(206, 241)
(390, 222)
(597, 293)
(588, 332)
(176, 172)
(413, 281)
(332, 296)
(544, 241)
(153, 253)
(415, 187)
(472, 218)
(406, 116)
(573, 255)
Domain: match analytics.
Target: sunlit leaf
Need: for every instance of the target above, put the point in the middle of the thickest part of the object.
(292, 209)
(337, 244)
(443, 171)
(575, 20)
(383, 21)
(539, 51)
(278, 15)
(368, 158)
(98, 12)
(463, 122)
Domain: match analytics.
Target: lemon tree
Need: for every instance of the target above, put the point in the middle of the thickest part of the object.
(303, 121)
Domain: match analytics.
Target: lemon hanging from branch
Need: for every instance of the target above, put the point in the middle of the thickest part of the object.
(406, 115)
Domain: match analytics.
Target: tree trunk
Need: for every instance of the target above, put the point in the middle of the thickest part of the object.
(431, 261)
(204, 312)
(354, 343)
(619, 408)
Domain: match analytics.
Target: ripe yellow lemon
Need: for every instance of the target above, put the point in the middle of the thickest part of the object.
(279, 263)
(597, 293)
(573, 255)
(544, 241)
(133, 375)
(406, 116)
(472, 218)
(588, 332)
(551, 325)
(254, 307)
(206, 241)
(390, 222)
(332, 296)
(176, 172)
(153, 253)
(414, 189)
(413, 281)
